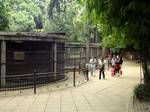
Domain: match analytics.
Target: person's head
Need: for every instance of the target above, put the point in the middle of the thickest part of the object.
(117, 56)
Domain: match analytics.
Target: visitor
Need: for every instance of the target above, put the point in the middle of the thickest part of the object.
(120, 66)
(102, 68)
(117, 64)
(112, 71)
(113, 61)
(92, 65)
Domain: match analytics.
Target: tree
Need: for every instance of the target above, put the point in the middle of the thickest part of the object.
(63, 16)
(48, 16)
(23, 15)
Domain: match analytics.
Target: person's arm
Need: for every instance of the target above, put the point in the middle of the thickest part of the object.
(90, 61)
(104, 61)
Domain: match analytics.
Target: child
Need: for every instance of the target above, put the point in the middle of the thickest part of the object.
(112, 71)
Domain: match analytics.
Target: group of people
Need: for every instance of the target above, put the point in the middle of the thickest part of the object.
(101, 64)
(116, 65)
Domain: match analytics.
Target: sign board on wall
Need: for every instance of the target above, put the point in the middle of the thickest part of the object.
(19, 55)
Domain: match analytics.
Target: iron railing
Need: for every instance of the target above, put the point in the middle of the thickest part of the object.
(36, 81)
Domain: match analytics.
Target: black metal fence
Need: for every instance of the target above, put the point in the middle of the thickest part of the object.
(30, 83)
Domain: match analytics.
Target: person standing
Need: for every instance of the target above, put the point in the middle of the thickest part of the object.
(117, 64)
(92, 65)
(102, 68)
(120, 66)
(113, 61)
(113, 66)
(112, 71)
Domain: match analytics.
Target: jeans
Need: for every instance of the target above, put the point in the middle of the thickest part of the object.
(92, 70)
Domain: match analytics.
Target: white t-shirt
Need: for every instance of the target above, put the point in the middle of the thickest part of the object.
(93, 61)
(101, 64)
(113, 62)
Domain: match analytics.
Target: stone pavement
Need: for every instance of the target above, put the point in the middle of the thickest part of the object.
(107, 95)
(143, 106)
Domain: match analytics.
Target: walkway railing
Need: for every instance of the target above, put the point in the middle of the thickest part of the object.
(40, 82)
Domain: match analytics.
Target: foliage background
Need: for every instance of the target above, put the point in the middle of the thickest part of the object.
(45, 16)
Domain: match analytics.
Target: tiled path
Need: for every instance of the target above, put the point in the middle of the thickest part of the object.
(143, 106)
(109, 95)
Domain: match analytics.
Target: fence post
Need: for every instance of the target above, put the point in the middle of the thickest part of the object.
(80, 63)
(87, 74)
(74, 70)
(34, 77)
(79, 67)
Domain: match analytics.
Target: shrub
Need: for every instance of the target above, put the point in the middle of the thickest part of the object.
(142, 91)
(139, 91)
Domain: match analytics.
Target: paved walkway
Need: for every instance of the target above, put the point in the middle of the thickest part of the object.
(143, 106)
(109, 95)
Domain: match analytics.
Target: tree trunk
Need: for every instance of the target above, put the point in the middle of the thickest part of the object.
(145, 65)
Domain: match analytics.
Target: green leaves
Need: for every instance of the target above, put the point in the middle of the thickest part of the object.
(3, 16)
(30, 15)
(69, 18)
(23, 14)
(130, 17)
(21, 21)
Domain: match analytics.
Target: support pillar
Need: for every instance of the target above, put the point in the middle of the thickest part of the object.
(88, 49)
(91, 52)
(82, 55)
(97, 50)
(55, 60)
(103, 52)
(3, 63)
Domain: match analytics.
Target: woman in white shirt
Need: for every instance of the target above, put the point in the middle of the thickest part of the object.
(92, 65)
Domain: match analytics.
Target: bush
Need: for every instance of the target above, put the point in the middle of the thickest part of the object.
(142, 91)
(139, 91)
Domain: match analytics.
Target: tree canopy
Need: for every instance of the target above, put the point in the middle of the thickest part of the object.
(119, 23)
(45, 16)
(129, 17)
(3, 15)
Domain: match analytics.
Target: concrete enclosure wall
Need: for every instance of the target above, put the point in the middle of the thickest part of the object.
(24, 52)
